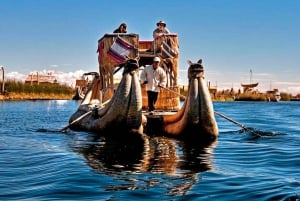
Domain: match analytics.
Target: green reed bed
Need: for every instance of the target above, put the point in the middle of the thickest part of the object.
(18, 89)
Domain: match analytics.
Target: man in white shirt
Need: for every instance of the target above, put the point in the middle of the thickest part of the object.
(154, 77)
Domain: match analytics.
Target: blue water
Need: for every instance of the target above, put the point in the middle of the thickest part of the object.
(37, 162)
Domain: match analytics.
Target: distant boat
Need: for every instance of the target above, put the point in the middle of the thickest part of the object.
(277, 97)
(82, 85)
(79, 94)
(250, 85)
(273, 95)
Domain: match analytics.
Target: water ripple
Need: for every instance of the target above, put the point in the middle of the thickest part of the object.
(37, 162)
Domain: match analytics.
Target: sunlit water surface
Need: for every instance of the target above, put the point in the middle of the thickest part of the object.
(37, 162)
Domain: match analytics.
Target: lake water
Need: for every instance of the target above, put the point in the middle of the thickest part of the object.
(37, 162)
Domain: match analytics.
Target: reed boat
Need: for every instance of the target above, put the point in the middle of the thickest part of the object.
(248, 87)
(81, 86)
(123, 107)
(79, 93)
(195, 119)
(123, 112)
(273, 95)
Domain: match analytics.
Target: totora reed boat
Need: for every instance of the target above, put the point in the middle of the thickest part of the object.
(110, 107)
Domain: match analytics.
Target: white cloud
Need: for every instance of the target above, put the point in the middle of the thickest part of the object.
(15, 76)
(54, 66)
(68, 78)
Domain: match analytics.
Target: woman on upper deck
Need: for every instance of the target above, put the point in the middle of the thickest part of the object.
(121, 28)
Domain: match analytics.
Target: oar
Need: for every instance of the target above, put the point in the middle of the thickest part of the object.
(118, 69)
(81, 117)
(76, 120)
(237, 123)
(219, 114)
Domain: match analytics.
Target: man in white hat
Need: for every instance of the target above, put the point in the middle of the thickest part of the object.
(154, 77)
(160, 29)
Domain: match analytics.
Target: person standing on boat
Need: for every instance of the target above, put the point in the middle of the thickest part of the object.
(121, 29)
(160, 29)
(154, 77)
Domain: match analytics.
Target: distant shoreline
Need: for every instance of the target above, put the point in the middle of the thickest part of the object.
(13, 96)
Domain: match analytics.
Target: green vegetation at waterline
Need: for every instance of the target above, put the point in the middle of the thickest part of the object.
(15, 90)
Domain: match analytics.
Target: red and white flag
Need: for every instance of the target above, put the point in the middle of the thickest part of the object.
(119, 50)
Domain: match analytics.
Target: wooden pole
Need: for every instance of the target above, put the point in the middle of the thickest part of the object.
(81, 117)
(2, 88)
(76, 120)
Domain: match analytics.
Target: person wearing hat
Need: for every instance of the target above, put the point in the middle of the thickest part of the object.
(154, 77)
(121, 28)
(160, 29)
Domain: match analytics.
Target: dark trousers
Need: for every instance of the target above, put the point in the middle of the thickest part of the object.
(152, 98)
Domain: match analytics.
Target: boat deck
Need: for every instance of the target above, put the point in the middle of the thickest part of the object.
(159, 113)
(155, 121)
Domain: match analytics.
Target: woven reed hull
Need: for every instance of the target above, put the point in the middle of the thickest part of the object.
(122, 112)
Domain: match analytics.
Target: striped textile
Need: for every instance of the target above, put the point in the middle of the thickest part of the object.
(167, 50)
(119, 50)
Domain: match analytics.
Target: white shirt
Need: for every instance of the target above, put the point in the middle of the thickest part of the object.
(153, 77)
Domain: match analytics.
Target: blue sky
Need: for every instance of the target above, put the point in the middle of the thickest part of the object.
(231, 36)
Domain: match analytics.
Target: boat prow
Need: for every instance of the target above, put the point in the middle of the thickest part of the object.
(123, 112)
(195, 119)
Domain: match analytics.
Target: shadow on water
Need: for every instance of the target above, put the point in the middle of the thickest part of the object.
(129, 159)
(45, 130)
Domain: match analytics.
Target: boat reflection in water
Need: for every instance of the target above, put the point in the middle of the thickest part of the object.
(126, 159)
